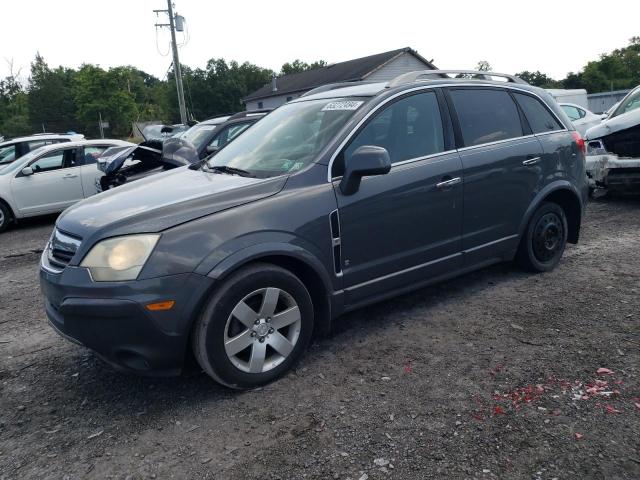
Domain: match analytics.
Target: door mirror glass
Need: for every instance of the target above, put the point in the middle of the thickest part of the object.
(365, 161)
(26, 171)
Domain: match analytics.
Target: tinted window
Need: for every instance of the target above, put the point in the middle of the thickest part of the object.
(409, 128)
(572, 112)
(539, 118)
(228, 134)
(486, 115)
(40, 143)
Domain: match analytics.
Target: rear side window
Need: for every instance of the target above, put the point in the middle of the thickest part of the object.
(486, 115)
(408, 128)
(7, 154)
(539, 118)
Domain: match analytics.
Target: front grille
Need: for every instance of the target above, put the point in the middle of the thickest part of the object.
(62, 248)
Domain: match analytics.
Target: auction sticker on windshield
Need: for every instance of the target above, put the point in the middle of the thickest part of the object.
(343, 105)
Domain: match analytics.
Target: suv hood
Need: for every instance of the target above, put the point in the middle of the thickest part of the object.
(162, 201)
(613, 125)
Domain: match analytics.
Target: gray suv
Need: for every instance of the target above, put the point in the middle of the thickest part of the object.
(344, 197)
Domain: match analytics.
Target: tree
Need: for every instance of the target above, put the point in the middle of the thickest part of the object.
(483, 66)
(298, 66)
(14, 108)
(52, 105)
(105, 93)
(538, 79)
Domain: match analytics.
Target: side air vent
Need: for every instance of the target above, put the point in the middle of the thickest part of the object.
(335, 242)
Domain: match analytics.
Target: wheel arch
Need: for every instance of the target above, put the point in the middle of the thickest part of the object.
(294, 259)
(12, 213)
(567, 197)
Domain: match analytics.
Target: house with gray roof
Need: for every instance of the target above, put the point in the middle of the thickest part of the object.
(374, 68)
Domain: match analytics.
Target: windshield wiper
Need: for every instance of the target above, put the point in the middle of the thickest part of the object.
(230, 170)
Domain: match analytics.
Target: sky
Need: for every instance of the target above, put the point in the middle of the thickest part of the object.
(554, 37)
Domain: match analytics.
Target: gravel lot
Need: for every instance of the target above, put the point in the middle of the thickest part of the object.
(490, 375)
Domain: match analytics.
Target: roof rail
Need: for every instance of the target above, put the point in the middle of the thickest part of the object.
(411, 77)
(332, 86)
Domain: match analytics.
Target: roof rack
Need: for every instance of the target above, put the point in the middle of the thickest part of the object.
(250, 113)
(411, 77)
(332, 86)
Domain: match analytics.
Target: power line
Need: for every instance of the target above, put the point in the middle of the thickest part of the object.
(176, 60)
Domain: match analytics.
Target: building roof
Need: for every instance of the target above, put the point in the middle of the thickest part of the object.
(349, 71)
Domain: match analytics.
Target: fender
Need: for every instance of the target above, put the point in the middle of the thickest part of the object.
(218, 264)
(542, 194)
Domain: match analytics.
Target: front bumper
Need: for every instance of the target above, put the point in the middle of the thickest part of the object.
(111, 318)
(613, 173)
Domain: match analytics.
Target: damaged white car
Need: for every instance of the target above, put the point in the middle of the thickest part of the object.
(613, 148)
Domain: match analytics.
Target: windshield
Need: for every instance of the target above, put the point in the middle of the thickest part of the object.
(631, 102)
(288, 139)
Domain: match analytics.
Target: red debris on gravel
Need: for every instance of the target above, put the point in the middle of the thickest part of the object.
(578, 436)
(407, 367)
(604, 371)
(498, 410)
(610, 409)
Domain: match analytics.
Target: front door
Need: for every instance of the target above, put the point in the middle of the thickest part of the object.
(404, 227)
(55, 184)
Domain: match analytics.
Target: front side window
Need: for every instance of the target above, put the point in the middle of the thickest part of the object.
(289, 138)
(54, 161)
(408, 128)
(539, 118)
(7, 154)
(198, 134)
(486, 116)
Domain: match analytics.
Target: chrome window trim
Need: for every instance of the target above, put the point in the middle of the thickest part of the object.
(497, 142)
(428, 87)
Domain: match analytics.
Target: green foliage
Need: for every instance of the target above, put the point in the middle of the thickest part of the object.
(539, 79)
(483, 66)
(218, 89)
(14, 108)
(298, 66)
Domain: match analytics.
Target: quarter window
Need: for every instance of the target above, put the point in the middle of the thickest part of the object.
(572, 112)
(486, 116)
(538, 116)
(408, 128)
(7, 154)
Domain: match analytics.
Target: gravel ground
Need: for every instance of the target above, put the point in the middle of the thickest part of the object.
(489, 375)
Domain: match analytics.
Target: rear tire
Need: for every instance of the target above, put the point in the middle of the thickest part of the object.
(254, 328)
(5, 217)
(544, 239)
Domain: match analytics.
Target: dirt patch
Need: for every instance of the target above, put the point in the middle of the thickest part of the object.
(494, 374)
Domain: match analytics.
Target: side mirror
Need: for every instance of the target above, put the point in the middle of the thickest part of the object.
(26, 171)
(367, 160)
(211, 149)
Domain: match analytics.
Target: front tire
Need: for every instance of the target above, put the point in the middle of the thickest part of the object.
(5, 217)
(544, 239)
(255, 327)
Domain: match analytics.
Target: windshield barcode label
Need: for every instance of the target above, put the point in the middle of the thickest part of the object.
(343, 105)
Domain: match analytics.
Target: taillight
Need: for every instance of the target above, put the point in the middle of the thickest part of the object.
(579, 142)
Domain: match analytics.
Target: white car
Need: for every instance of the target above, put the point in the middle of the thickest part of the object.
(581, 118)
(50, 179)
(15, 148)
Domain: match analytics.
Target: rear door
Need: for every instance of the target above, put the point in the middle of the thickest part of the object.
(54, 185)
(404, 227)
(501, 162)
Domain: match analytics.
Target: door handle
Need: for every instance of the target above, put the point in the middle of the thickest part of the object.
(70, 176)
(448, 182)
(531, 161)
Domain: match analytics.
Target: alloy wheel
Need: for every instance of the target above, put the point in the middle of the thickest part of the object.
(262, 330)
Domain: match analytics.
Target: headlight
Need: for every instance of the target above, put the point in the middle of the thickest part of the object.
(120, 258)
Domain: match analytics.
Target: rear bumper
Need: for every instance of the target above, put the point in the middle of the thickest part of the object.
(111, 318)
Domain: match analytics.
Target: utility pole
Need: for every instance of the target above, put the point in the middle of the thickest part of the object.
(177, 71)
